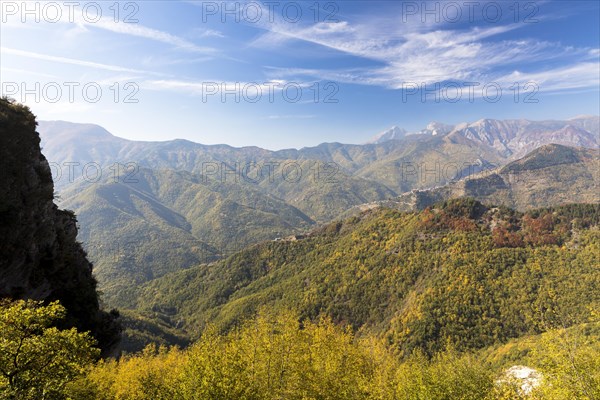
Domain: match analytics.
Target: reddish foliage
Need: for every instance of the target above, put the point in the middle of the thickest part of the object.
(539, 231)
(441, 220)
(502, 237)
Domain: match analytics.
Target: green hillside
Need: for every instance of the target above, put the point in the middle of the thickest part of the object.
(458, 273)
(165, 221)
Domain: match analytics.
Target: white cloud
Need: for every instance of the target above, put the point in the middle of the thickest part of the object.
(216, 86)
(582, 75)
(164, 61)
(213, 87)
(29, 72)
(149, 33)
(206, 33)
(424, 54)
(72, 61)
(81, 23)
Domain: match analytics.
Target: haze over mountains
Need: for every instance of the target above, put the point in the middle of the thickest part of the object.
(150, 208)
(438, 154)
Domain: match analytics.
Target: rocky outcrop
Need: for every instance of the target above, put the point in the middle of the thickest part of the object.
(525, 378)
(39, 255)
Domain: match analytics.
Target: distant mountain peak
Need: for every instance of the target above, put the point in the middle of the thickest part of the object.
(73, 129)
(394, 133)
(437, 128)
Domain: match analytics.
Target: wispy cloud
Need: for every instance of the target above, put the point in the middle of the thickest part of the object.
(29, 72)
(149, 33)
(83, 23)
(428, 54)
(582, 75)
(213, 87)
(206, 33)
(164, 61)
(72, 61)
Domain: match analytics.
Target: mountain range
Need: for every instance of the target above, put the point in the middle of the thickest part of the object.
(513, 137)
(150, 208)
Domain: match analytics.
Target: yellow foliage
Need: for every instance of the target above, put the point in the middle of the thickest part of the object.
(276, 357)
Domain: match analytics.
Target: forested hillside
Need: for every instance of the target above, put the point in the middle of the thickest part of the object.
(458, 273)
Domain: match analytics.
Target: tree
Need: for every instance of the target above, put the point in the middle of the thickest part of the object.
(570, 362)
(37, 359)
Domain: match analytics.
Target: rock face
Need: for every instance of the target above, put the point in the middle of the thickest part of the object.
(39, 255)
(526, 378)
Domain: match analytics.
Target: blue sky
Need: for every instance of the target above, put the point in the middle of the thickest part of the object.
(292, 74)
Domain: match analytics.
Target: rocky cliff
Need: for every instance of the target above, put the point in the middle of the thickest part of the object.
(39, 255)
